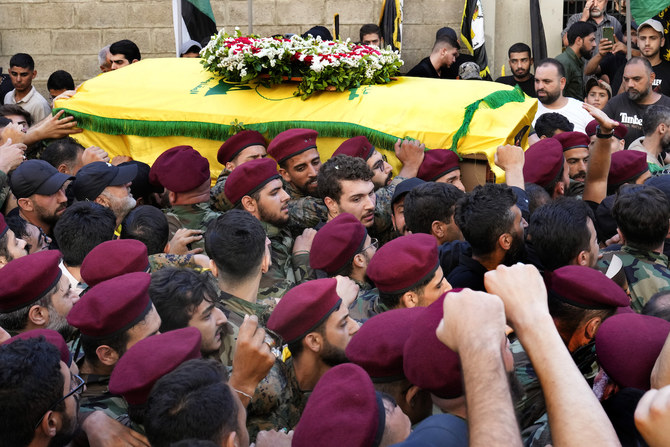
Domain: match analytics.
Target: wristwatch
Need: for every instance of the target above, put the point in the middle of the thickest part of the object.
(599, 134)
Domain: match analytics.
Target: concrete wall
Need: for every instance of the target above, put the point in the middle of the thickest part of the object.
(67, 34)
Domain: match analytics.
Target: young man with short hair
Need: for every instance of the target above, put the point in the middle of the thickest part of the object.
(371, 34)
(520, 62)
(581, 42)
(22, 72)
(123, 53)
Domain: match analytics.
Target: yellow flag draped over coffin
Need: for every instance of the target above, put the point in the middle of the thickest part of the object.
(150, 106)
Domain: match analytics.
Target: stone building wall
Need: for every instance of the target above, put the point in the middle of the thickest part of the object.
(67, 34)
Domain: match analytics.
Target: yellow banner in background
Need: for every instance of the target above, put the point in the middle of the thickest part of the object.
(148, 107)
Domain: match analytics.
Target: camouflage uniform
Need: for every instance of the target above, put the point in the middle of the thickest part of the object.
(217, 198)
(646, 272)
(193, 217)
(531, 409)
(287, 269)
(235, 309)
(278, 401)
(96, 396)
(383, 226)
(161, 260)
(303, 211)
(366, 305)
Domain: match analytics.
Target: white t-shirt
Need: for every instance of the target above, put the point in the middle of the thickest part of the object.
(573, 111)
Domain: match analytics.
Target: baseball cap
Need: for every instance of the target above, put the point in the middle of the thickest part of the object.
(36, 177)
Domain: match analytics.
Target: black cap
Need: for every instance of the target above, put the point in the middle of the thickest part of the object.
(93, 178)
(404, 187)
(36, 177)
(446, 31)
(141, 186)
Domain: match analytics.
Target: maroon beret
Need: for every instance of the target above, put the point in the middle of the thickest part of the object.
(237, 143)
(303, 308)
(27, 279)
(585, 287)
(572, 140)
(248, 178)
(429, 363)
(3, 226)
(543, 162)
(343, 410)
(403, 262)
(148, 360)
(378, 345)
(180, 169)
(114, 258)
(620, 131)
(626, 165)
(356, 147)
(51, 337)
(336, 243)
(112, 306)
(628, 345)
(436, 163)
(292, 142)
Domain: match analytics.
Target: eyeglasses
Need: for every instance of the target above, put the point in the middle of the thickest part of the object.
(374, 242)
(43, 240)
(380, 164)
(76, 388)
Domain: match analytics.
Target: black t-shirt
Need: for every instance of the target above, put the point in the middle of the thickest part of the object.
(424, 69)
(620, 108)
(528, 86)
(662, 79)
(612, 66)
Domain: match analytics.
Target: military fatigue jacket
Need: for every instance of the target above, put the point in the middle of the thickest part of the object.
(193, 217)
(217, 199)
(383, 226)
(366, 305)
(161, 260)
(97, 397)
(304, 211)
(646, 272)
(287, 269)
(278, 401)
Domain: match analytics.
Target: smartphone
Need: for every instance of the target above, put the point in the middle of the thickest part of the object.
(608, 33)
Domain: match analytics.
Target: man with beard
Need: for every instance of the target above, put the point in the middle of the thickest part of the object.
(40, 396)
(256, 187)
(11, 247)
(343, 247)
(107, 185)
(34, 294)
(562, 232)
(576, 152)
(345, 183)
(549, 84)
(185, 175)
(409, 152)
(40, 193)
(581, 42)
(299, 163)
(656, 128)
(493, 225)
(628, 108)
(186, 298)
(111, 317)
(84, 226)
(520, 61)
(313, 319)
(580, 299)
(594, 13)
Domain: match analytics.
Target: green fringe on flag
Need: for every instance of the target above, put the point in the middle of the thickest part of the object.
(493, 101)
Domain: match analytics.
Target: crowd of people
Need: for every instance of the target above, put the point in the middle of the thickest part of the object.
(305, 302)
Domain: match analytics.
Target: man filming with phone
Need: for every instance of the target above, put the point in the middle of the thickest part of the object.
(594, 12)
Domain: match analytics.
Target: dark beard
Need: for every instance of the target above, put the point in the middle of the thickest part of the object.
(516, 252)
(65, 435)
(332, 356)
